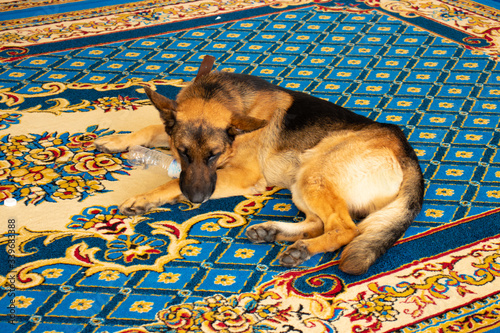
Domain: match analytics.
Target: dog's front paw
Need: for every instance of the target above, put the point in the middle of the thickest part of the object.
(295, 255)
(261, 233)
(137, 205)
(112, 143)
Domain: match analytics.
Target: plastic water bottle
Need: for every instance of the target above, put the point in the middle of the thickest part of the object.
(138, 155)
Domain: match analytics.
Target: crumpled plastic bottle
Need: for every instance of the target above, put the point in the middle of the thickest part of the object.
(138, 155)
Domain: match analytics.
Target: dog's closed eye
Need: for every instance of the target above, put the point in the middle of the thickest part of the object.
(184, 154)
(212, 158)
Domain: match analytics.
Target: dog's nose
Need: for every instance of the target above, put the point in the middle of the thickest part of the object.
(198, 198)
(197, 186)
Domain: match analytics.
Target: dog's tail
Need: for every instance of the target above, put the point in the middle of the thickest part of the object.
(382, 228)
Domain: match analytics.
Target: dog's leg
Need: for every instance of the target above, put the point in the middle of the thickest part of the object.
(139, 204)
(150, 136)
(321, 199)
(230, 182)
(272, 231)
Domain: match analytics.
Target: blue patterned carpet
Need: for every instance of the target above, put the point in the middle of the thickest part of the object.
(71, 72)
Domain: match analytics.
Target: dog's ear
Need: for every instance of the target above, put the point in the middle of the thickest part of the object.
(165, 106)
(241, 124)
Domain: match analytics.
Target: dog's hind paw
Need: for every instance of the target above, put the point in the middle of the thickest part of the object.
(295, 255)
(261, 233)
(112, 143)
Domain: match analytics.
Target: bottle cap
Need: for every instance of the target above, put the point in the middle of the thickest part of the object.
(10, 202)
(174, 169)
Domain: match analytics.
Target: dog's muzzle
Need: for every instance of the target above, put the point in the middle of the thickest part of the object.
(197, 187)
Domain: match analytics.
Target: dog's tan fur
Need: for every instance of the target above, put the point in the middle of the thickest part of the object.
(338, 167)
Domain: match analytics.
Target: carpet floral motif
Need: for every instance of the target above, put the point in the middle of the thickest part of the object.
(274, 306)
(36, 97)
(159, 13)
(414, 291)
(129, 244)
(9, 119)
(480, 22)
(421, 288)
(52, 167)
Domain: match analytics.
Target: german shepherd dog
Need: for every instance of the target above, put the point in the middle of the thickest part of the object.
(234, 134)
